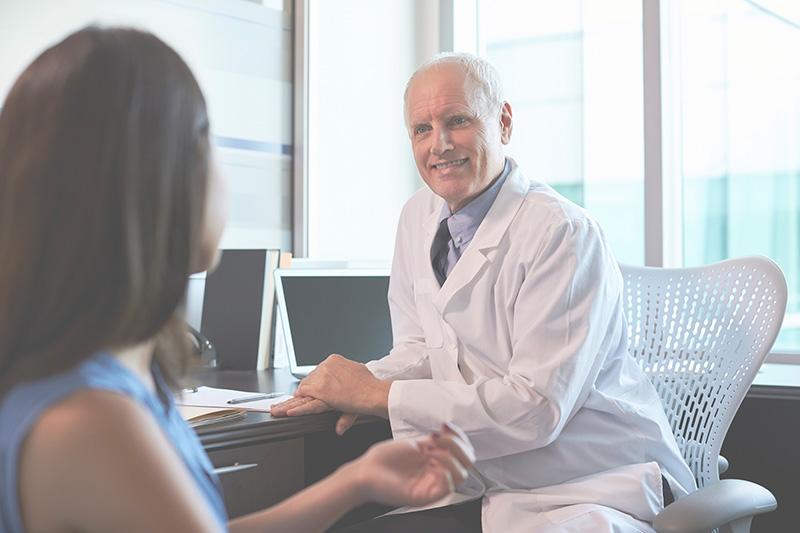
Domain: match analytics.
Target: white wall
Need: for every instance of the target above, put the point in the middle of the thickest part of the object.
(360, 167)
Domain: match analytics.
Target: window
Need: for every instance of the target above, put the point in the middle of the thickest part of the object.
(572, 71)
(360, 166)
(730, 89)
(733, 66)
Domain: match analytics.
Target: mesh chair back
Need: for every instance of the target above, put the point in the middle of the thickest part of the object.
(701, 334)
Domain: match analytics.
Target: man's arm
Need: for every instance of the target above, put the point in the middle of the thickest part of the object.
(566, 316)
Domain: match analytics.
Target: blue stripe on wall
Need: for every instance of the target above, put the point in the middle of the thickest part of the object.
(256, 146)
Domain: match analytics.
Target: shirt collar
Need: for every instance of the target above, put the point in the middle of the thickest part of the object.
(464, 223)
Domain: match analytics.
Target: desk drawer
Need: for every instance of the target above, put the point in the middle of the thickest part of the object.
(255, 477)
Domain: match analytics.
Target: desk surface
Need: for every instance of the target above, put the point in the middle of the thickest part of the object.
(258, 427)
(262, 427)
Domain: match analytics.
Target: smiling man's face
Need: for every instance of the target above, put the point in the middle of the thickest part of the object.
(456, 136)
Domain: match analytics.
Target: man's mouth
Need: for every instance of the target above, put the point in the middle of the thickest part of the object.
(449, 164)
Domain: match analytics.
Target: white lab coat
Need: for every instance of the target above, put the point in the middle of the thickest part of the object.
(524, 347)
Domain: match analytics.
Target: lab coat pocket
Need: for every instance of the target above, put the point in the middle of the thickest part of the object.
(428, 314)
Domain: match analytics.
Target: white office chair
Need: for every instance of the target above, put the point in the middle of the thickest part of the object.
(701, 334)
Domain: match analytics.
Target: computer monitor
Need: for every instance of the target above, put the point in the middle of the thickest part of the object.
(238, 303)
(325, 311)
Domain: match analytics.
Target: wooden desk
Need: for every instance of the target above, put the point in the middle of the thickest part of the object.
(271, 458)
(266, 459)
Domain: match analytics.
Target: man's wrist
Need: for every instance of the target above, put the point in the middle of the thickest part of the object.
(380, 403)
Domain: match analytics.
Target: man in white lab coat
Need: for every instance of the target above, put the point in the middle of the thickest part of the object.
(506, 306)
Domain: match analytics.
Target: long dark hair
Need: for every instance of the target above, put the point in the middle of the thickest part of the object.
(103, 174)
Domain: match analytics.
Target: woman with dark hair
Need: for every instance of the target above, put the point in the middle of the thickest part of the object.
(108, 202)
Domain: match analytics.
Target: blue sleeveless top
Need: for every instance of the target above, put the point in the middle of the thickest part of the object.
(23, 405)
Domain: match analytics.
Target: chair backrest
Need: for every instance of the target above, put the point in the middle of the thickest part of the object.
(700, 334)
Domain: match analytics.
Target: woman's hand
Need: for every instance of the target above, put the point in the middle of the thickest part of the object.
(405, 472)
(414, 472)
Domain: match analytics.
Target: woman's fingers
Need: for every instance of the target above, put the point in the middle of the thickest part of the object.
(460, 438)
(444, 458)
(458, 449)
(450, 451)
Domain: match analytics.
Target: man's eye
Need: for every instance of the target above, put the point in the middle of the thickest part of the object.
(458, 121)
(421, 129)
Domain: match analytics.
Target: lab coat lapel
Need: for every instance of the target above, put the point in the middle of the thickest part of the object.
(483, 247)
(429, 227)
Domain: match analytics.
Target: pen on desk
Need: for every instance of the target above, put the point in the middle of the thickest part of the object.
(255, 397)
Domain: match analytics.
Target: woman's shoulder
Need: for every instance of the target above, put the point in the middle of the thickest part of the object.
(86, 430)
(85, 414)
(94, 460)
(83, 432)
(81, 443)
(30, 403)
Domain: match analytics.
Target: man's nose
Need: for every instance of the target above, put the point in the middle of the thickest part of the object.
(441, 142)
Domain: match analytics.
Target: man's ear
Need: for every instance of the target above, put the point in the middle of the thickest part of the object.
(506, 123)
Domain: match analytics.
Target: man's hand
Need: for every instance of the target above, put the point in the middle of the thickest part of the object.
(341, 384)
(306, 405)
(299, 405)
(347, 386)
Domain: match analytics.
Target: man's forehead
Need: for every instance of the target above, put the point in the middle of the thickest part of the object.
(445, 77)
(441, 86)
(438, 107)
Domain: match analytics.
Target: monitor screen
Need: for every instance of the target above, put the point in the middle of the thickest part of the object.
(344, 314)
(233, 307)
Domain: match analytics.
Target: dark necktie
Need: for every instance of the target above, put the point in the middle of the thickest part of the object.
(439, 250)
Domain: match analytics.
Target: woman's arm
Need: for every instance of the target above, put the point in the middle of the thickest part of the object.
(312, 509)
(99, 462)
(392, 472)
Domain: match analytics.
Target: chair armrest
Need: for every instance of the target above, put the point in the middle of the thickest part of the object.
(722, 464)
(714, 506)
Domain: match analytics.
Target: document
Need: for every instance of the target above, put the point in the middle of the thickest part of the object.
(221, 398)
(205, 416)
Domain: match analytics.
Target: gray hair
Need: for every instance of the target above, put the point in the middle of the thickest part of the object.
(476, 68)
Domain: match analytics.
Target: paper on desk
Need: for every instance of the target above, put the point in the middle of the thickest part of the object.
(213, 397)
(206, 416)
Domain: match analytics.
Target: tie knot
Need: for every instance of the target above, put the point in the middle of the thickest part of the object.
(443, 233)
